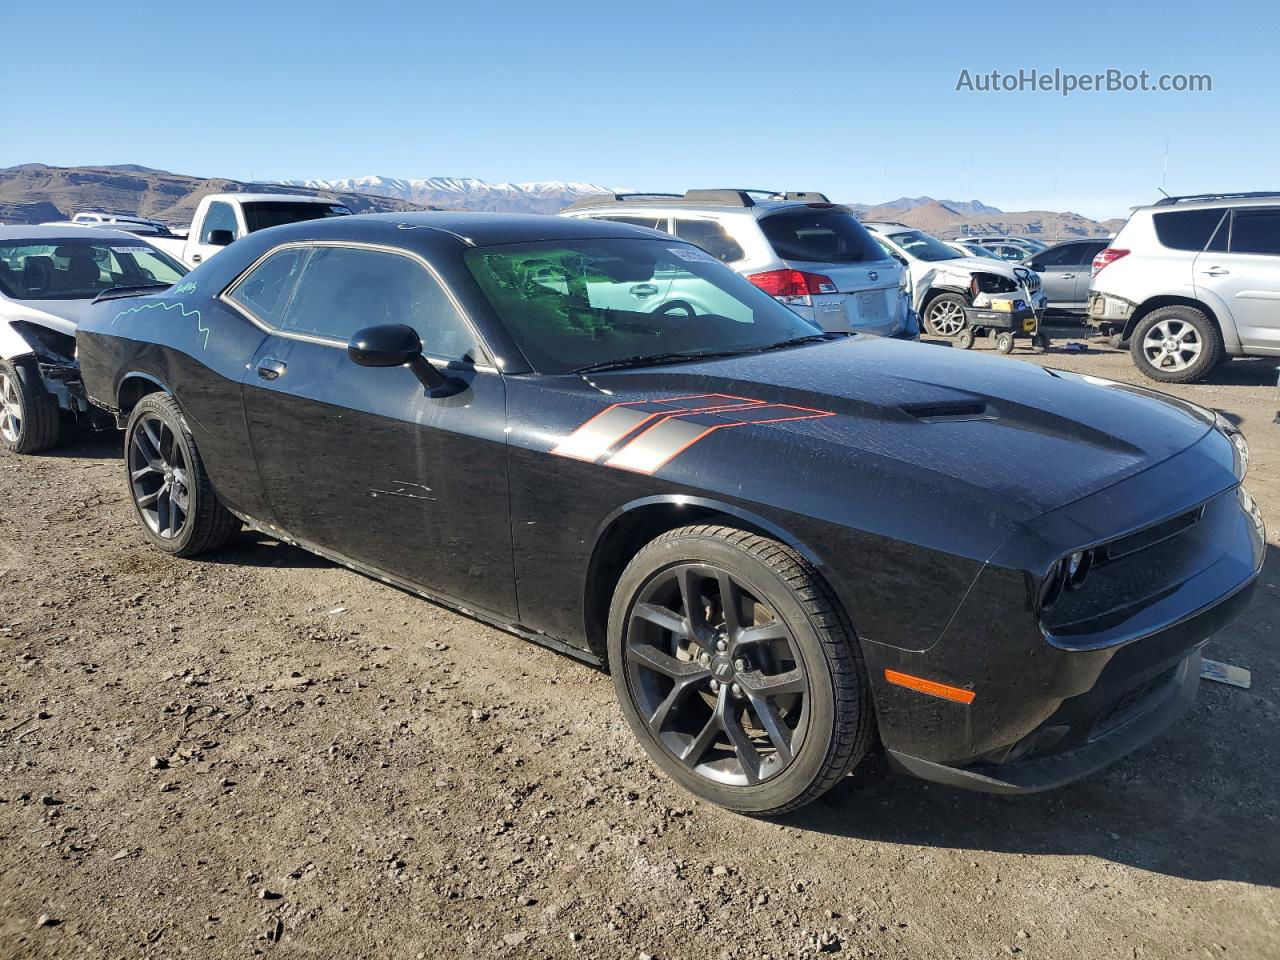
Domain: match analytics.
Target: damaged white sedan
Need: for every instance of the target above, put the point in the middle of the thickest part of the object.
(944, 282)
(48, 278)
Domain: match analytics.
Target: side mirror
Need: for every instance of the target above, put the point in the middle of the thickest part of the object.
(220, 238)
(394, 345)
(1037, 266)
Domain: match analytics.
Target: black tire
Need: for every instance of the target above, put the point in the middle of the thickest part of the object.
(155, 458)
(948, 304)
(796, 628)
(1187, 329)
(1004, 343)
(964, 340)
(29, 416)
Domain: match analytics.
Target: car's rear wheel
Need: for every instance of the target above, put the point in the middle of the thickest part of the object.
(944, 317)
(1176, 344)
(28, 414)
(737, 669)
(170, 490)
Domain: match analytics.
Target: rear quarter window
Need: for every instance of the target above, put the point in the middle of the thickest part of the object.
(1187, 229)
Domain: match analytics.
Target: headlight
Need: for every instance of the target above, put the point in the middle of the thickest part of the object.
(1237, 438)
(1067, 574)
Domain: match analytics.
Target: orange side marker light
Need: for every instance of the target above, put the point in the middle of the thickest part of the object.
(931, 687)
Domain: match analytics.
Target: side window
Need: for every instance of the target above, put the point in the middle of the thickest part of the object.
(1187, 229)
(1256, 231)
(1069, 254)
(711, 237)
(219, 216)
(343, 289)
(266, 290)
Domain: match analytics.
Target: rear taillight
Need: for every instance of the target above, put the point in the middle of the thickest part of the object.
(792, 283)
(1109, 255)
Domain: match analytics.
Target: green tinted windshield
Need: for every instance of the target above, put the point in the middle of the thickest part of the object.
(571, 304)
(79, 268)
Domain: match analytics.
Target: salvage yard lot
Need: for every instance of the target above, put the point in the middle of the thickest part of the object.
(261, 752)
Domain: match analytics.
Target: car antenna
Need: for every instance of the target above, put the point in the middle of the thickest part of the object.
(1163, 190)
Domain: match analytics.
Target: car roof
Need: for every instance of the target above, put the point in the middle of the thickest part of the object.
(473, 229)
(1212, 202)
(275, 197)
(41, 232)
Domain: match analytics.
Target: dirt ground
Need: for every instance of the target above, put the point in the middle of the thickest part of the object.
(261, 753)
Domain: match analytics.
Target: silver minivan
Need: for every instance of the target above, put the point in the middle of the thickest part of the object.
(805, 251)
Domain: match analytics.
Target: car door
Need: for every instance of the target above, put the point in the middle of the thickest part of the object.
(1059, 271)
(364, 462)
(1083, 269)
(1242, 269)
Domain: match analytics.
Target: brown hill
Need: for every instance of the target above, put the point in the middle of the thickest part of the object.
(943, 221)
(33, 192)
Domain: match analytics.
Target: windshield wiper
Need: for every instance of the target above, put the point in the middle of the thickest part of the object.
(654, 359)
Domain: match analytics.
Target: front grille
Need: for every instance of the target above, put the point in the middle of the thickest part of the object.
(1132, 701)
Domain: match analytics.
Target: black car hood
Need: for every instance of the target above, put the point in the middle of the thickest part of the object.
(1040, 438)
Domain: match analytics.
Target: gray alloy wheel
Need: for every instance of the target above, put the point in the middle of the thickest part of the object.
(170, 491)
(29, 420)
(1176, 344)
(736, 671)
(945, 315)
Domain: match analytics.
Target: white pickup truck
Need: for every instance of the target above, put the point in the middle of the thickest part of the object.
(224, 217)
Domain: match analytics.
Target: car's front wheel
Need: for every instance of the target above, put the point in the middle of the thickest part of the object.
(944, 316)
(1176, 344)
(737, 669)
(171, 493)
(28, 414)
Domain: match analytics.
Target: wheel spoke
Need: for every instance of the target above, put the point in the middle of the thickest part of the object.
(731, 602)
(692, 755)
(662, 617)
(143, 471)
(647, 655)
(149, 499)
(772, 685)
(742, 745)
(761, 633)
(162, 511)
(682, 688)
(779, 735)
(694, 610)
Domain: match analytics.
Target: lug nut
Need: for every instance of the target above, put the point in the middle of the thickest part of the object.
(740, 665)
(722, 645)
(715, 686)
(736, 690)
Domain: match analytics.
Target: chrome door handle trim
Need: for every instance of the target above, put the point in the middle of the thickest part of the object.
(1215, 272)
(269, 369)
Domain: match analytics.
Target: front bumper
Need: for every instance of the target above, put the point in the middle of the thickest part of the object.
(1135, 699)
(1045, 688)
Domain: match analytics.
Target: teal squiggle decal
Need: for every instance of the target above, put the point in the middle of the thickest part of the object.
(176, 305)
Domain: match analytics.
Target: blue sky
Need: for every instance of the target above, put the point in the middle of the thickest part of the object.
(856, 100)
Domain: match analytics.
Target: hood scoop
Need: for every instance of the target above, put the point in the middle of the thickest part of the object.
(950, 411)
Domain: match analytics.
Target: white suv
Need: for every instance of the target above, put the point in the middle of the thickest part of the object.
(807, 252)
(1191, 282)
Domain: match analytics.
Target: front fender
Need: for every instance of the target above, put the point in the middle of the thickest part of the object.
(13, 343)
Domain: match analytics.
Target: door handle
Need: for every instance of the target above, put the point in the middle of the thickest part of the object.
(269, 369)
(1215, 272)
(196, 258)
(643, 291)
(1068, 276)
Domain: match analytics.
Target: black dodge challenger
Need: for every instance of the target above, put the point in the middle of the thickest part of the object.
(786, 545)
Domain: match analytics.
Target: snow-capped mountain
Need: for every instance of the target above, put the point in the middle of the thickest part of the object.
(543, 196)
